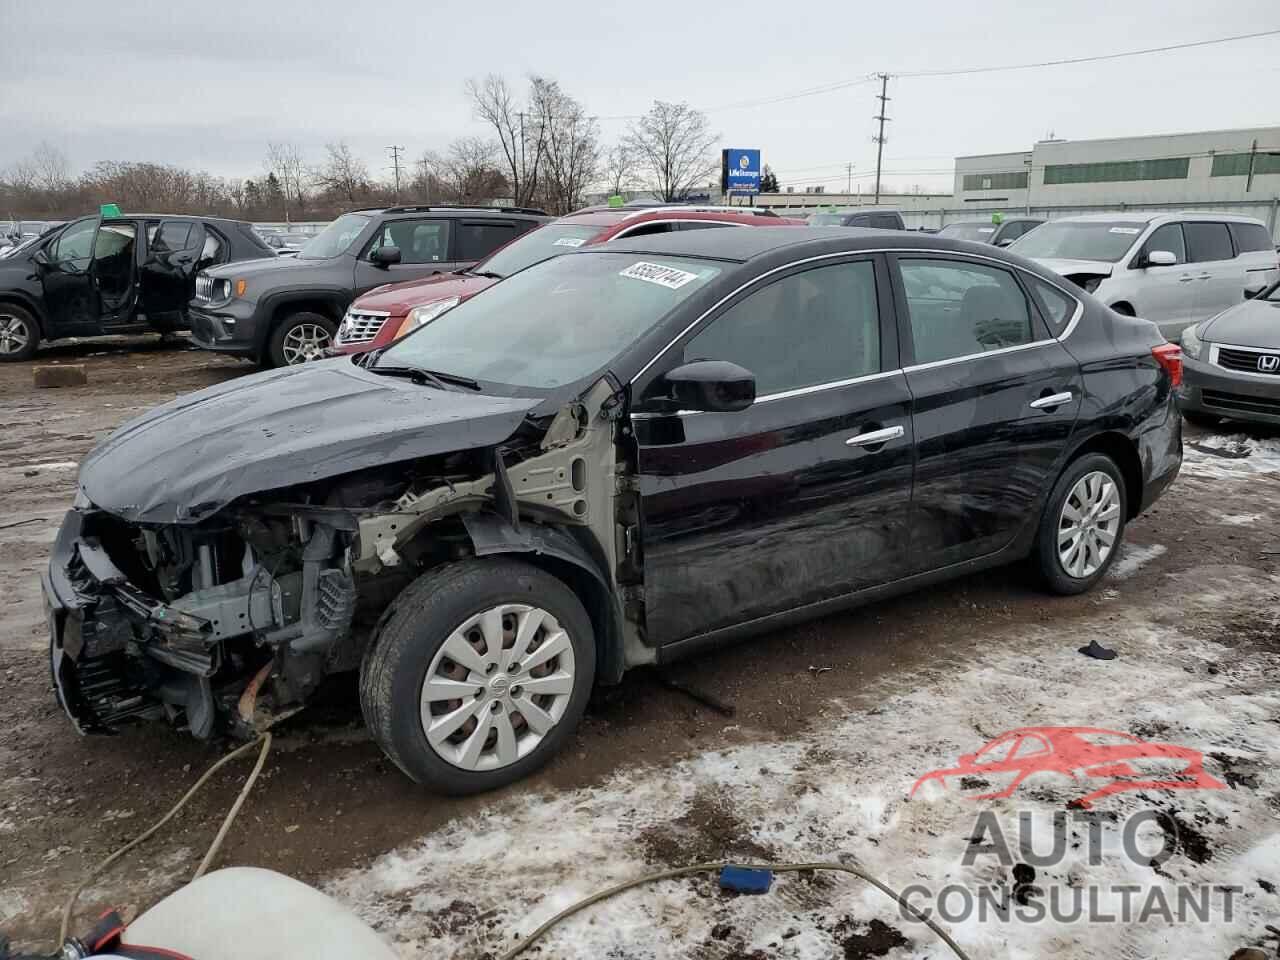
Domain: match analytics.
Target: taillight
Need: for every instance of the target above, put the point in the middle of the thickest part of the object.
(1169, 356)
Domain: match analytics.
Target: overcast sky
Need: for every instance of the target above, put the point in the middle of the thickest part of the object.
(206, 85)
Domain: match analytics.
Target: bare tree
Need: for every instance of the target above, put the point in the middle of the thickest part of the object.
(571, 141)
(52, 172)
(285, 162)
(467, 172)
(343, 174)
(673, 144)
(520, 142)
(616, 168)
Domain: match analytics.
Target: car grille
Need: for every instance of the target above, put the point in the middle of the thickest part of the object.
(204, 288)
(1247, 361)
(361, 327)
(1240, 404)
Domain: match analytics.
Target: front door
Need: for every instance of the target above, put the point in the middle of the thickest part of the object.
(1167, 294)
(995, 400)
(804, 496)
(168, 269)
(66, 274)
(426, 248)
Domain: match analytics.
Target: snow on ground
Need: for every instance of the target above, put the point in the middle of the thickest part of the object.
(469, 889)
(1133, 557)
(1230, 456)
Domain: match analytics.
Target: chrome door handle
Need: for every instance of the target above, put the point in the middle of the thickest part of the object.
(1056, 400)
(1186, 279)
(875, 436)
(1205, 276)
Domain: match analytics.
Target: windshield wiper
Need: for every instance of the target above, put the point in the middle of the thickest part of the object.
(488, 274)
(454, 378)
(415, 374)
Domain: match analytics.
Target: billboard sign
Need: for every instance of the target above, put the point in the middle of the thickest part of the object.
(740, 171)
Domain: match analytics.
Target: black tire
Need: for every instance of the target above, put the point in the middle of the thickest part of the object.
(13, 317)
(1206, 420)
(1054, 573)
(417, 625)
(276, 349)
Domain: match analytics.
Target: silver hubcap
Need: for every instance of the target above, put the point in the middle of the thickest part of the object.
(14, 334)
(1088, 525)
(497, 686)
(306, 341)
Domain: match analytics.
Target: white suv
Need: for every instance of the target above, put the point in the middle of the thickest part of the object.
(1172, 269)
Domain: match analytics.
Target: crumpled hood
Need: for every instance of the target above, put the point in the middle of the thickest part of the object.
(1254, 323)
(399, 298)
(191, 457)
(1093, 268)
(247, 269)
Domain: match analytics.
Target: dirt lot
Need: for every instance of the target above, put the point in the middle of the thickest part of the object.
(650, 775)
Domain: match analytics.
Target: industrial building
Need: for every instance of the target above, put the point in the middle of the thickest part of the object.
(1230, 171)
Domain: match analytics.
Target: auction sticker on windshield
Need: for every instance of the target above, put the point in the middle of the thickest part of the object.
(1127, 231)
(569, 242)
(668, 277)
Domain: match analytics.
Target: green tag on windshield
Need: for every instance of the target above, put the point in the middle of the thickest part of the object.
(997, 218)
(109, 210)
(616, 201)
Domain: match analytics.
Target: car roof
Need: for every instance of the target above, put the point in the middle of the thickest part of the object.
(445, 209)
(1178, 216)
(743, 245)
(126, 217)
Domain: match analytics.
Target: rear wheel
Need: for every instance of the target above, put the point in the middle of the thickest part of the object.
(1206, 420)
(300, 337)
(478, 675)
(1082, 525)
(19, 334)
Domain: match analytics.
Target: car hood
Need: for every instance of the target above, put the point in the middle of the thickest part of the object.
(265, 265)
(191, 457)
(399, 298)
(1254, 323)
(1065, 268)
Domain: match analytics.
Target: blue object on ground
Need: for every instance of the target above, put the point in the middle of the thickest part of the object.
(745, 879)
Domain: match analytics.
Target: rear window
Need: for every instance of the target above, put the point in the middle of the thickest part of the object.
(1250, 237)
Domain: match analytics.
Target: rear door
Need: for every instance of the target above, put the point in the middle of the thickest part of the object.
(70, 292)
(1167, 296)
(1219, 274)
(1257, 252)
(476, 239)
(800, 498)
(995, 401)
(425, 245)
(168, 269)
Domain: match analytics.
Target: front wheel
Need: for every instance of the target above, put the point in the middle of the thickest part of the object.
(1082, 525)
(479, 673)
(299, 338)
(19, 334)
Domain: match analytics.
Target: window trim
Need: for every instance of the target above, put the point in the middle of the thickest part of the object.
(1059, 338)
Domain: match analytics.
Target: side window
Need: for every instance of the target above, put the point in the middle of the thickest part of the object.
(645, 229)
(958, 309)
(477, 240)
(171, 237)
(76, 242)
(885, 221)
(1056, 306)
(814, 327)
(1250, 237)
(419, 241)
(1207, 242)
(702, 224)
(865, 220)
(213, 250)
(1167, 238)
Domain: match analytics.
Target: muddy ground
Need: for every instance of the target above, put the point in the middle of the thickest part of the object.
(329, 802)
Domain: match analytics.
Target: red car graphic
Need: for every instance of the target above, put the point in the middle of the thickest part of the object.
(1080, 753)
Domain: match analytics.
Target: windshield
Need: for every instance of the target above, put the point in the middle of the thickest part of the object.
(536, 246)
(554, 323)
(335, 239)
(827, 220)
(1102, 240)
(981, 232)
(23, 245)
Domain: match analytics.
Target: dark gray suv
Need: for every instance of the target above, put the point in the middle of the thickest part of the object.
(285, 311)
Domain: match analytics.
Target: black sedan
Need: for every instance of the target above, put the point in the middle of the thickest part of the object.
(611, 458)
(1233, 364)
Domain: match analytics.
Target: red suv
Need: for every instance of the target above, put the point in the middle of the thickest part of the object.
(388, 313)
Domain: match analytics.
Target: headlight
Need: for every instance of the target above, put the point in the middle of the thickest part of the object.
(428, 312)
(1192, 345)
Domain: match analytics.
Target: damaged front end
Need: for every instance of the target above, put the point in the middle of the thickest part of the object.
(238, 617)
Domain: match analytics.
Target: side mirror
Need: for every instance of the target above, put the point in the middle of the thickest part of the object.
(386, 256)
(1160, 258)
(715, 386)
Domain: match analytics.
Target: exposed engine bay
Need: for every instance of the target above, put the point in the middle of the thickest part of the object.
(231, 622)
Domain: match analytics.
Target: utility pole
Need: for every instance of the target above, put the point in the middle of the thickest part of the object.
(520, 173)
(849, 169)
(1253, 155)
(395, 165)
(879, 138)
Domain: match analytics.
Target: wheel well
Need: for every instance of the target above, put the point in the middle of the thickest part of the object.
(29, 307)
(1125, 307)
(1125, 455)
(325, 308)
